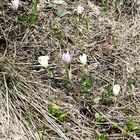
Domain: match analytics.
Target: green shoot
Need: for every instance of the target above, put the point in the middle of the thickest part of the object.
(130, 125)
(33, 15)
(41, 135)
(101, 137)
(109, 89)
(56, 112)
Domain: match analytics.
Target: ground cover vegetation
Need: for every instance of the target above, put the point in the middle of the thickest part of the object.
(70, 70)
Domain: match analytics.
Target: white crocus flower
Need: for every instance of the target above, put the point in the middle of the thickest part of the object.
(116, 89)
(14, 4)
(97, 100)
(66, 58)
(43, 60)
(80, 10)
(83, 59)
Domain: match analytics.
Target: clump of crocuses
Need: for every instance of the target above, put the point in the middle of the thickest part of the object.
(67, 60)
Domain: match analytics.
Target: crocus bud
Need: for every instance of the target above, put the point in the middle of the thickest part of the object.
(66, 58)
(116, 89)
(83, 59)
(43, 60)
(80, 10)
(14, 4)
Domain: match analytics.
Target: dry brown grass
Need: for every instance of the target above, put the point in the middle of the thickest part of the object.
(112, 44)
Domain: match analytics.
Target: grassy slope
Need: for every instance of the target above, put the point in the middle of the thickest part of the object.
(108, 34)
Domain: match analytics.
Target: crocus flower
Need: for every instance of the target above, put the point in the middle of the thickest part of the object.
(116, 89)
(97, 100)
(14, 4)
(80, 10)
(66, 58)
(43, 60)
(83, 59)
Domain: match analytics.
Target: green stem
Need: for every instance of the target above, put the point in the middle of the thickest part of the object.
(68, 73)
(49, 72)
(34, 13)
